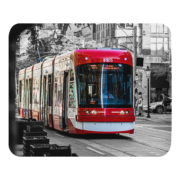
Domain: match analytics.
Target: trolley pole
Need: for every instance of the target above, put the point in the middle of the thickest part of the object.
(135, 51)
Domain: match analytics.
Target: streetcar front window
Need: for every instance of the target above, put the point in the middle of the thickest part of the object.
(104, 85)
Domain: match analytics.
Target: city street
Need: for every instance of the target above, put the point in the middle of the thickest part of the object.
(152, 138)
(65, 71)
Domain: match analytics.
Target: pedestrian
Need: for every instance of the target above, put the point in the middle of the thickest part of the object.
(140, 104)
(164, 103)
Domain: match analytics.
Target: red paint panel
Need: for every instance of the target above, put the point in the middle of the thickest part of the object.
(21, 114)
(78, 131)
(71, 128)
(30, 113)
(36, 115)
(102, 56)
(106, 111)
(105, 118)
(56, 122)
(39, 116)
(50, 121)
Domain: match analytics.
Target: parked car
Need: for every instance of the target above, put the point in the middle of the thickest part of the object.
(158, 107)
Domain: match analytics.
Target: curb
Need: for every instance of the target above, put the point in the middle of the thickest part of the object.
(153, 120)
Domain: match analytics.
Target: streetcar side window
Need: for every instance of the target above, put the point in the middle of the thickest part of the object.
(49, 91)
(30, 90)
(72, 97)
(36, 90)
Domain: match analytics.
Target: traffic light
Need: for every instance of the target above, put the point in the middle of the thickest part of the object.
(140, 61)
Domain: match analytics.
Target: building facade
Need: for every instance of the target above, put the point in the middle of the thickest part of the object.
(153, 45)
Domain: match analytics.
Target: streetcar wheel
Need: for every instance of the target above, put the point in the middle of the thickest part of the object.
(160, 109)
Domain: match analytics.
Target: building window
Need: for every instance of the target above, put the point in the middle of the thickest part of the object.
(94, 36)
(107, 32)
(122, 24)
(159, 29)
(98, 36)
(129, 25)
(159, 46)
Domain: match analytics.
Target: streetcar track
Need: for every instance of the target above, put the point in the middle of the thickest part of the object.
(95, 150)
(153, 136)
(93, 144)
(110, 149)
(151, 128)
(126, 153)
(141, 144)
(147, 145)
(115, 149)
(135, 141)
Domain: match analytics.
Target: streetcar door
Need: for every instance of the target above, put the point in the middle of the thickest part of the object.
(61, 100)
(64, 120)
(66, 99)
(30, 99)
(26, 99)
(49, 99)
(45, 102)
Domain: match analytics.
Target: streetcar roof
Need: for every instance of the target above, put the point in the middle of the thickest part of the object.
(86, 56)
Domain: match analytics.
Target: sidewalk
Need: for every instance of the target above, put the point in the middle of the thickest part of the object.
(155, 117)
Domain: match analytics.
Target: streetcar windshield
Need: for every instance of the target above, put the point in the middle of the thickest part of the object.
(104, 85)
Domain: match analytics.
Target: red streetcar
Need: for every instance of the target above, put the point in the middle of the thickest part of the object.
(84, 91)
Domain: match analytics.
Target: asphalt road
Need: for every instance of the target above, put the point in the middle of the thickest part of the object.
(151, 139)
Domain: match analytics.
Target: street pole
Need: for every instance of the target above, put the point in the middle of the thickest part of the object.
(135, 51)
(83, 43)
(148, 115)
(39, 55)
(134, 61)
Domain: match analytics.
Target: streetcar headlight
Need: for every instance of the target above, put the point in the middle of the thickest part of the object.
(87, 112)
(93, 112)
(122, 112)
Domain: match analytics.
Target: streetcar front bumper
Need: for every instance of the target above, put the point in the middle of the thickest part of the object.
(81, 118)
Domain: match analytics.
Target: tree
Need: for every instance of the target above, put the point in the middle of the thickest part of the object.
(52, 44)
(61, 26)
(45, 42)
(163, 69)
